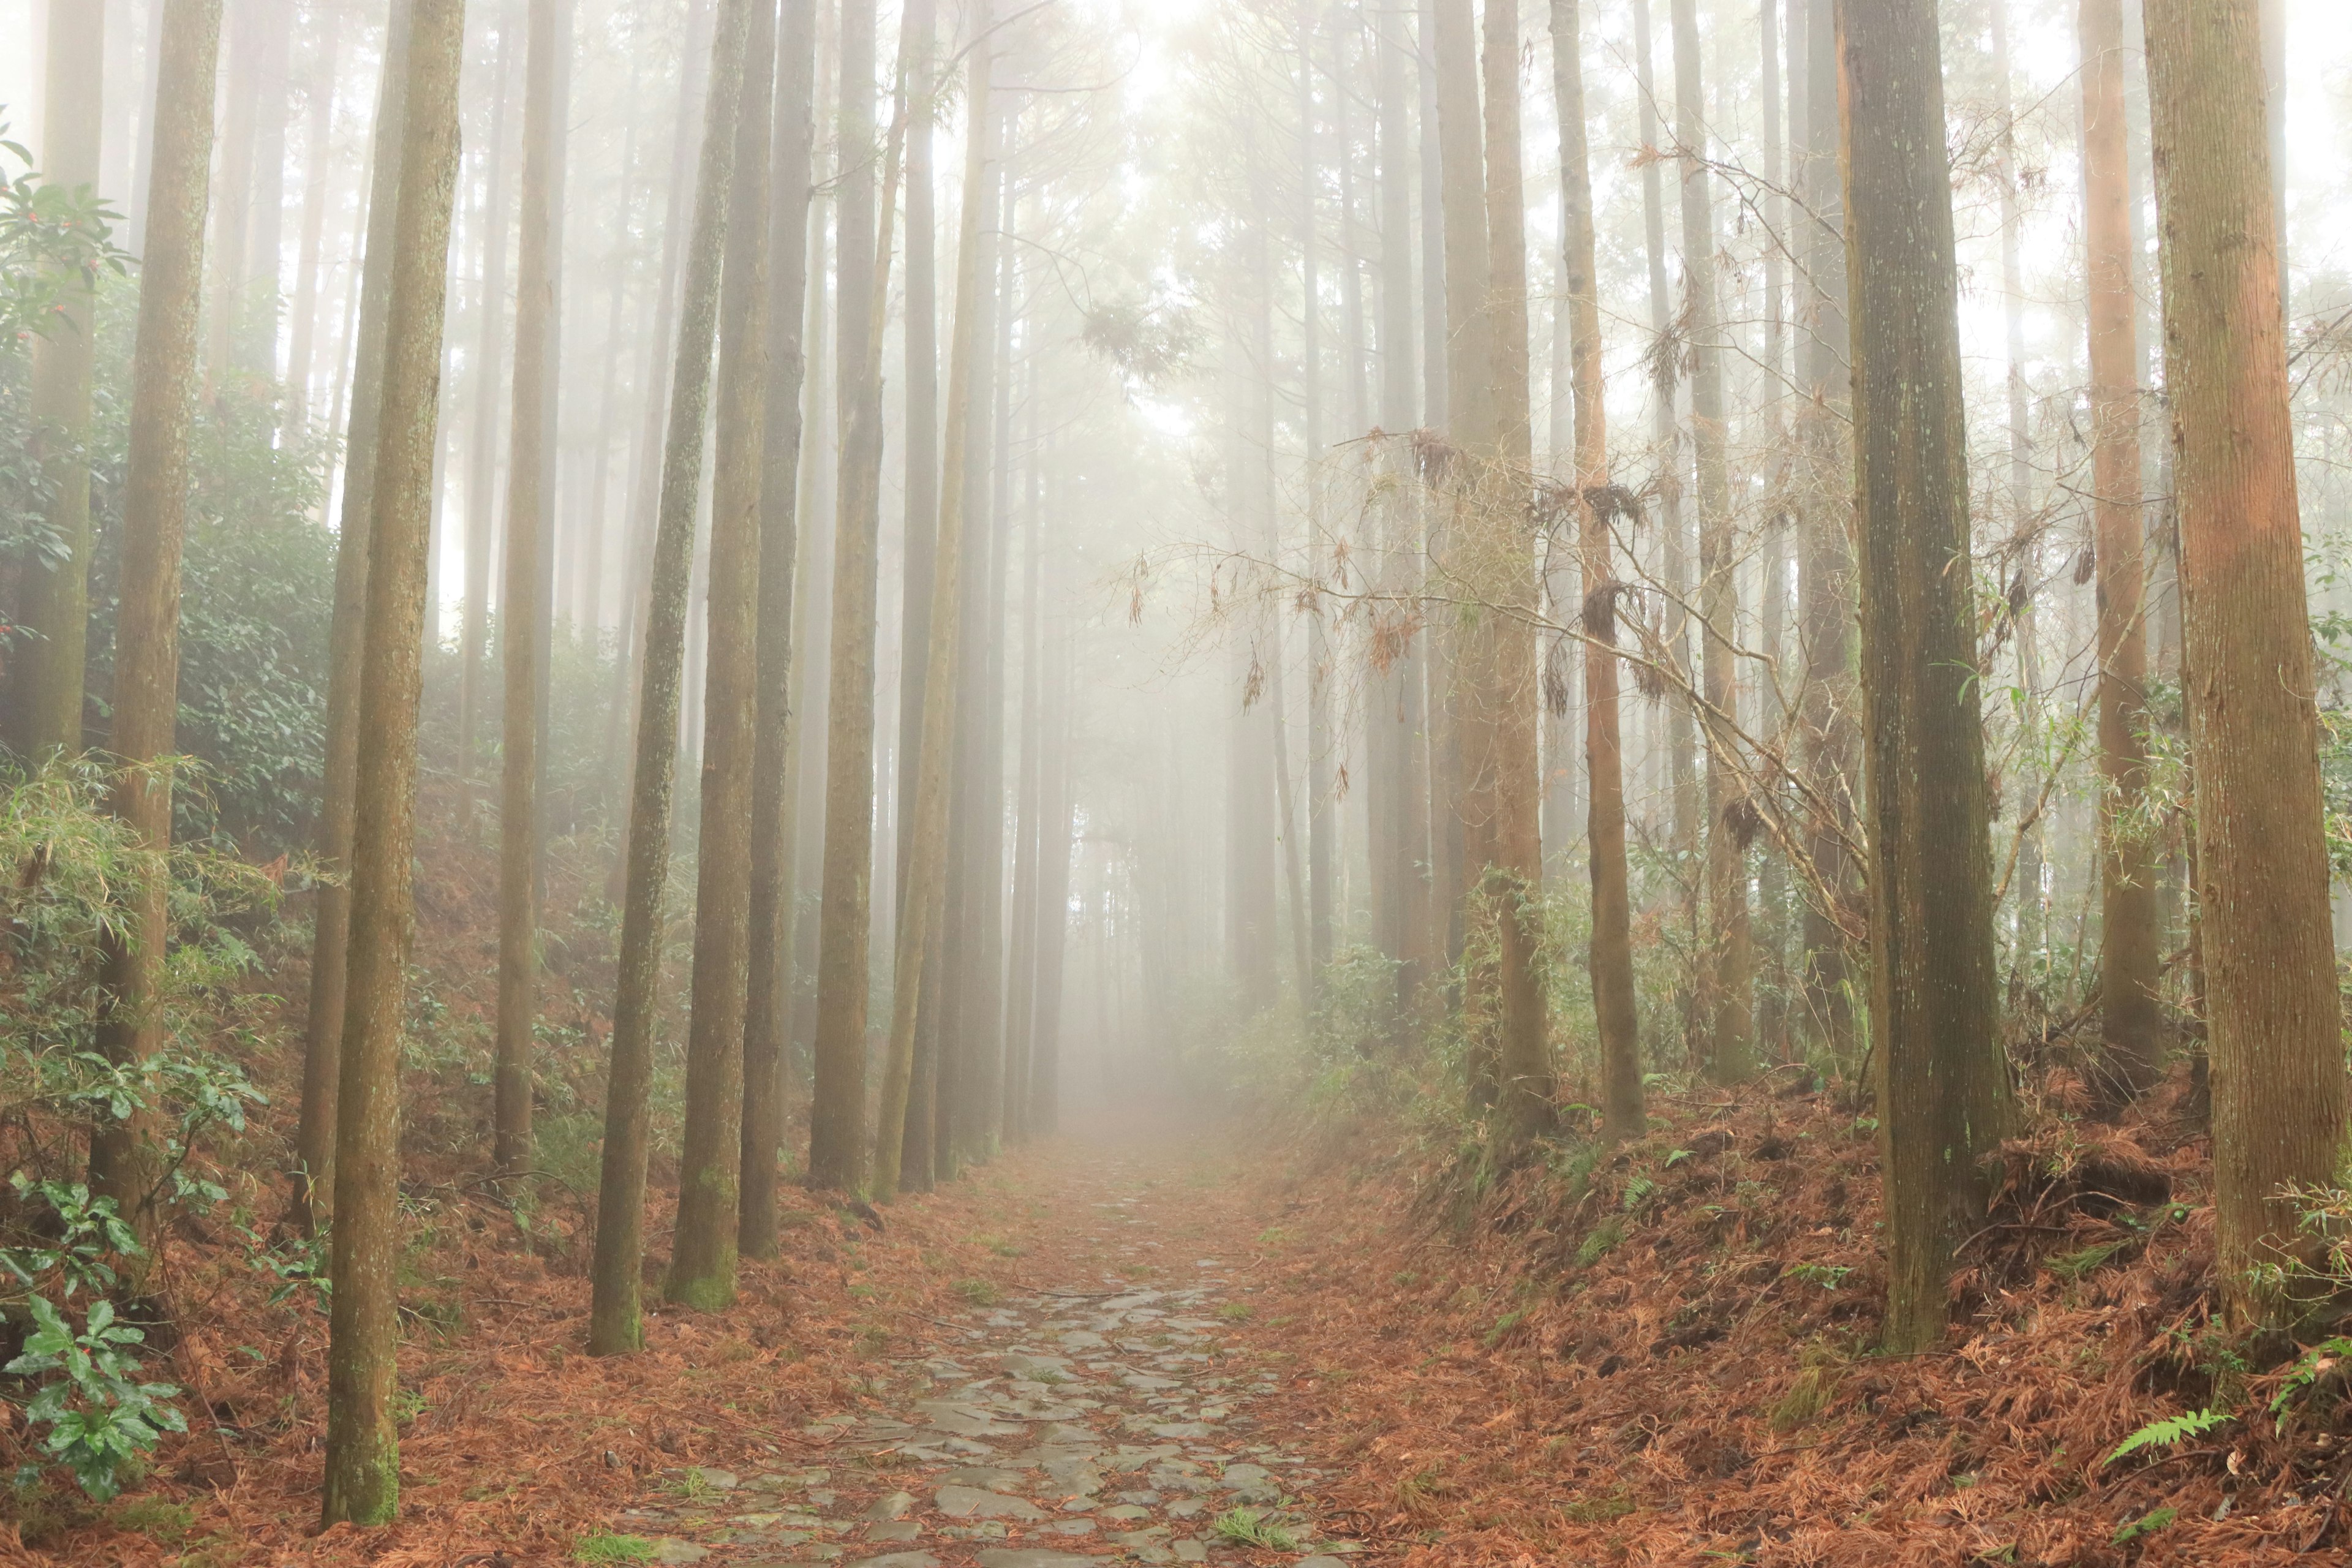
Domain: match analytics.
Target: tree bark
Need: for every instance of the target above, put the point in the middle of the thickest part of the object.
(614, 1321)
(1611, 956)
(362, 1457)
(1510, 776)
(482, 461)
(49, 669)
(768, 992)
(323, 1029)
(1943, 1082)
(924, 903)
(125, 1159)
(530, 506)
(1825, 568)
(2130, 930)
(703, 1255)
(1726, 962)
(837, 1117)
(2269, 967)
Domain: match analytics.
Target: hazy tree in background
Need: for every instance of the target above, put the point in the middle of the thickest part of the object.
(1934, 1012)
(48, 697)
(2270, 975)
(1611, 951)
(702, 1260)
(362, 1457)
(531, 471)
(1825, 709)
(837, 1116)
(125, 1163)
(489, 348)
(1726, 966)
(615, 1324)
(2130, 968)
(1508, 789)
(323, 1029)
(924, 903)
(768, 991)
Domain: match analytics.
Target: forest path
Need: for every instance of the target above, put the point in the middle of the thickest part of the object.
(1123, 1403)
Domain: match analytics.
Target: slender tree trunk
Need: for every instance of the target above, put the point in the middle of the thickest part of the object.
(529, 473)
(482, 460)
(1320, 819)
(1510, 774)
(1825, 568)
(1934, 1017)
(1470, 428)
(301, 364)
(1726, 964)
(1393, 719)
(232, 207)
(1611, 951)
(50, 669)
(323, 1029)
(2269, 967)
(647, 475)
(1681, 742)
(1053, 889)
(1021, 1001)
(2130, 968)
(615, 1324)
(703, 1256)
(837, 1118)
(125, 1159)
(362, 1457)
(924, 903)
(922, 511)
(768, 1004)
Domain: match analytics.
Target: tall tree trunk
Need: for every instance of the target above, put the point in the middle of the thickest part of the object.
(1727, 964)
(615, 1324)
(125, 1159)
(1825, 568)
(314, 1184)
(837, 1118)
(1021, 967)
(319, 155)
(924, 903)
(1053, 889)
(50, 669)
(922, 513)
(2269, 968)
(362, 1457)
(530, 507)
(1682, 740)
(2130, 968)
(232, 207)
(1934, 1017)
(768, 992)
(1611, 951)
(2027, 784)
(645, 474)
(1470, 429)
(482, 460)
(702, 1260)
(1392, 720)
(1321, 820)
(1510, 774)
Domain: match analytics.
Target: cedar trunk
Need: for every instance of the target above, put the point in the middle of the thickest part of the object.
(125, 1161)
(314, 1183)
(1612, 953)
(362, 1457)
(1943, 1087)
(768, 991)
(2269, 969)
(614, 1323)
(2130, 921)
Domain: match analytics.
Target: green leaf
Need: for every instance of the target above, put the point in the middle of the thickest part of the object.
(2171, 1432)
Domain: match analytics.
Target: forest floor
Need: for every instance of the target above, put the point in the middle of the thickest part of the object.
(1164, 1341)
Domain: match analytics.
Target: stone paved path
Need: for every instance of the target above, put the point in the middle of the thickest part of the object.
(1095, 1421)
